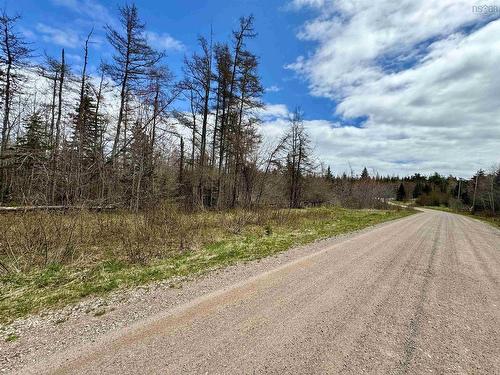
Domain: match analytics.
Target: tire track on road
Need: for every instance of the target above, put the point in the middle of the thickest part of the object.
(416, 320)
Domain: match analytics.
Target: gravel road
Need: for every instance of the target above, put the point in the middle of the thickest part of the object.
(413, 296)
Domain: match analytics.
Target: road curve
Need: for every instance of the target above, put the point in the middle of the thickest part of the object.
(415, 296)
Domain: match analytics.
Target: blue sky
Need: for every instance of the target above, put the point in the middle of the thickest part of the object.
(276, 43)
(398, 86)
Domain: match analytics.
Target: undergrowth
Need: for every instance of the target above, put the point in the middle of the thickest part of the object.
(54, 259)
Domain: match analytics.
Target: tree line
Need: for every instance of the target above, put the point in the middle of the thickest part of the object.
(114, 138)
(479, 193)
(132, 134)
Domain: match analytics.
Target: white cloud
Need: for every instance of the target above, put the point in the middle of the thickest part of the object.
(297, 4)
(92, 9)
(164, 41)
(65, 38)
(273, 111)
(27, 33)
(428, 88)
(382, 149)
(74, 57)
(273, 88)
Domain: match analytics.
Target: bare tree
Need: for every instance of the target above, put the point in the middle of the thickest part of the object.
(223, 63)
(14, 52)
(244, 131)
(131, 62)
(50, 70)
(63, 71)
(298, 150)
(197, 81)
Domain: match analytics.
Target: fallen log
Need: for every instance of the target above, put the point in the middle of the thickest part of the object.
(54, 208)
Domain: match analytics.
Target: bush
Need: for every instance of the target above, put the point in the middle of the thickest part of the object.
(434, 198)
(35, 240)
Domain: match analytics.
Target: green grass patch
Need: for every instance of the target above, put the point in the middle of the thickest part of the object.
(11, 337)
(493, 220)
(221, 241)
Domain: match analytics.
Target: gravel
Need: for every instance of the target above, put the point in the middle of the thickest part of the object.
(50, 332)
(416, 295)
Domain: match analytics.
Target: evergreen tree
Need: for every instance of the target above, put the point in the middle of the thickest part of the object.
(329, 175)
(32, 154)
(87, 154)
(401, 193)
(88, 129)
(35, 141)
(32, 149)
(418, 190)
(364, 174)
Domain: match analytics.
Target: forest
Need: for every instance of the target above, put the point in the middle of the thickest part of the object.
(115, 139)
(135, 135)
(479, 194)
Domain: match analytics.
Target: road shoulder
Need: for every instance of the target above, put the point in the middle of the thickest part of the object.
(48, 333)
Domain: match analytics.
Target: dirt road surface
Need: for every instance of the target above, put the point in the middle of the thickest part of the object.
(418, 295)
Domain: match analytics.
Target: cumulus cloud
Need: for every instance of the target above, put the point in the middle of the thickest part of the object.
(164, 41)
(92, 9)
(297, 4)
(422, 73)
(27, 33)
(64, 38)
(273, 88)
(273, 111)
(382, 149)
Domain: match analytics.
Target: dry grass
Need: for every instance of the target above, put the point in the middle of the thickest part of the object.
(36, 240)
(490, 219)
(52, 259)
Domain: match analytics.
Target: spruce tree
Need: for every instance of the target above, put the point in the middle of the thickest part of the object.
(401, 193)
(418, 190)
(34, 141)
(88, 128)
(87, 147)
(364, 174)
(329, 175)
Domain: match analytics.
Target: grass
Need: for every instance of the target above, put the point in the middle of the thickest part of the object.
(493, 220)
(11, 337)
(94, 254)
